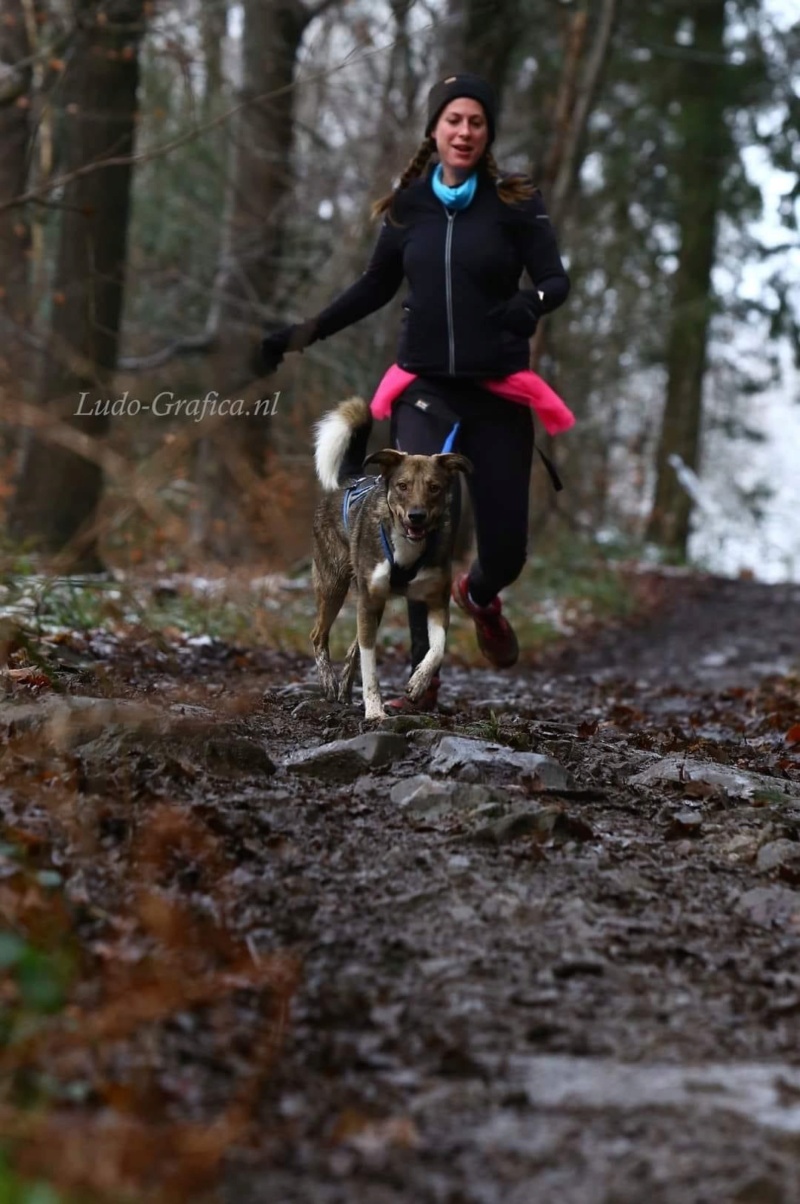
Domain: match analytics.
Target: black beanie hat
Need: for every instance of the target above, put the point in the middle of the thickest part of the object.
(454, 86)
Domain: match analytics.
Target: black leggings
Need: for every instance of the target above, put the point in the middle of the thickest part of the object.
(497, 436)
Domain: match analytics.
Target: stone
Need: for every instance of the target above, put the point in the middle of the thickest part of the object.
(346, 760)
(549, 822)
(777, 853)
(684, 824)
(522, 822)
(735, 783)
(770, 906)
(427, 737)
(114, 738)
(183, 747)
(763, 1094)
(742, 846)
(481, 760)
(424, 795)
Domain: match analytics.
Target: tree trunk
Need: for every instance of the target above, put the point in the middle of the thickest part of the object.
(700, 165)
(59, 491)
(213, 24)
(577, 93)
(255, 221)
(15, 139)
(483, 40)
(586, 52)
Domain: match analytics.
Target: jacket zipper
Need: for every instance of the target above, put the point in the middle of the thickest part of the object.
(451, 335)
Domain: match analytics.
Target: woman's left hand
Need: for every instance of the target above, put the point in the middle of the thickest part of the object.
(521, 315)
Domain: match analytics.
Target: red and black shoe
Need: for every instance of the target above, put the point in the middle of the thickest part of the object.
(496, 638)
(404, 706)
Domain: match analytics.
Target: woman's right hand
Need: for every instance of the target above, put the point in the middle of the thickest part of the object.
(274, 347)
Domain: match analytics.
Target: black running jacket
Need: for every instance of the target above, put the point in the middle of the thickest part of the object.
(465, 314)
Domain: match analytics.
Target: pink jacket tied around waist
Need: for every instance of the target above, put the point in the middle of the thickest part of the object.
(526, 388)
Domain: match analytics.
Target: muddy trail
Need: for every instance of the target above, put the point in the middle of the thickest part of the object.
(542, 945)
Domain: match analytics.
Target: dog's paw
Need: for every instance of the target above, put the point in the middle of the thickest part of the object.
(417, 685)
(375, 714)
(330, 689)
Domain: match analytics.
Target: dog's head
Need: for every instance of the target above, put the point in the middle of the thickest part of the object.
(417, 487)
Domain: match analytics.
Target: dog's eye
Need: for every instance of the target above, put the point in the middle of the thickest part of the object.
(434, 488)
(402, 486)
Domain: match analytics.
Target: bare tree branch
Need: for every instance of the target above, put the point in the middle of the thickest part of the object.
(191, 344)
(55, 430)
(196, 131)
(586, 92)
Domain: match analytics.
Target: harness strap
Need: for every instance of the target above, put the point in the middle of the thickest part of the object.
(443, 412)
(402, 575)
(449, 442)
(355, 493)
(399, 574)
(387, 546)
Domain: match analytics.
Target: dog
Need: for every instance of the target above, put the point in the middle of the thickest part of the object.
(389, 534)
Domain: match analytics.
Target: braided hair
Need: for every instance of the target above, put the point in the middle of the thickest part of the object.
(413, 171)
(510, 189)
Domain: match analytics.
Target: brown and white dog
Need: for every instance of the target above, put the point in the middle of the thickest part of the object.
(389, 534)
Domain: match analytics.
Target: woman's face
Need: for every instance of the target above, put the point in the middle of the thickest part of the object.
(461, 135)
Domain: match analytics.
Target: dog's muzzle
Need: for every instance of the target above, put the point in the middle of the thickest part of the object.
(414, 527)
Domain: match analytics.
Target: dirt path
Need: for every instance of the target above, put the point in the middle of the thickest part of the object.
(602, 1011)
(521, 980)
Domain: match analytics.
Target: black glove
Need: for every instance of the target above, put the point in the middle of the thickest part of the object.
(522, 313)
(287, 338)
(274, 347)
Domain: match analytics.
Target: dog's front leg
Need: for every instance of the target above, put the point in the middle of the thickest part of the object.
(330, 588)
(368, 616)
(345, 691)
(438, 619)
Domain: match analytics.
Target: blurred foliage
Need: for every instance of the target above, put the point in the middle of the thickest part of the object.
(571, 581)
(361, 80)
(16, 1190)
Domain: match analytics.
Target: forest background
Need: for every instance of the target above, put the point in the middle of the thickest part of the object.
(176, 176)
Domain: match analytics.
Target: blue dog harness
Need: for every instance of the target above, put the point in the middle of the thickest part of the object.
(354, 494)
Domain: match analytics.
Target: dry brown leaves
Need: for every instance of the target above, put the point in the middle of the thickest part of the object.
(157, 958)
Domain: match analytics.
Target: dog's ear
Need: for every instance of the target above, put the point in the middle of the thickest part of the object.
(387, 460)
(454, 462)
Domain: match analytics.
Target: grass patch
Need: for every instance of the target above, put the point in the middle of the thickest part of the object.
(15, 1190)
(568, 584)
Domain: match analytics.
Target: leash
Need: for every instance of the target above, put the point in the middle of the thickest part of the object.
(552, 471)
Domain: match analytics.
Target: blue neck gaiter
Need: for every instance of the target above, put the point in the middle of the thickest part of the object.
(454, 198)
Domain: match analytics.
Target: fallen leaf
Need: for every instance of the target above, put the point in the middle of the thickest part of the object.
(29, 676)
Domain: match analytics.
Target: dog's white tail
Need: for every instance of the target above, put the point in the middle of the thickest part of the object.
(332, 436)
